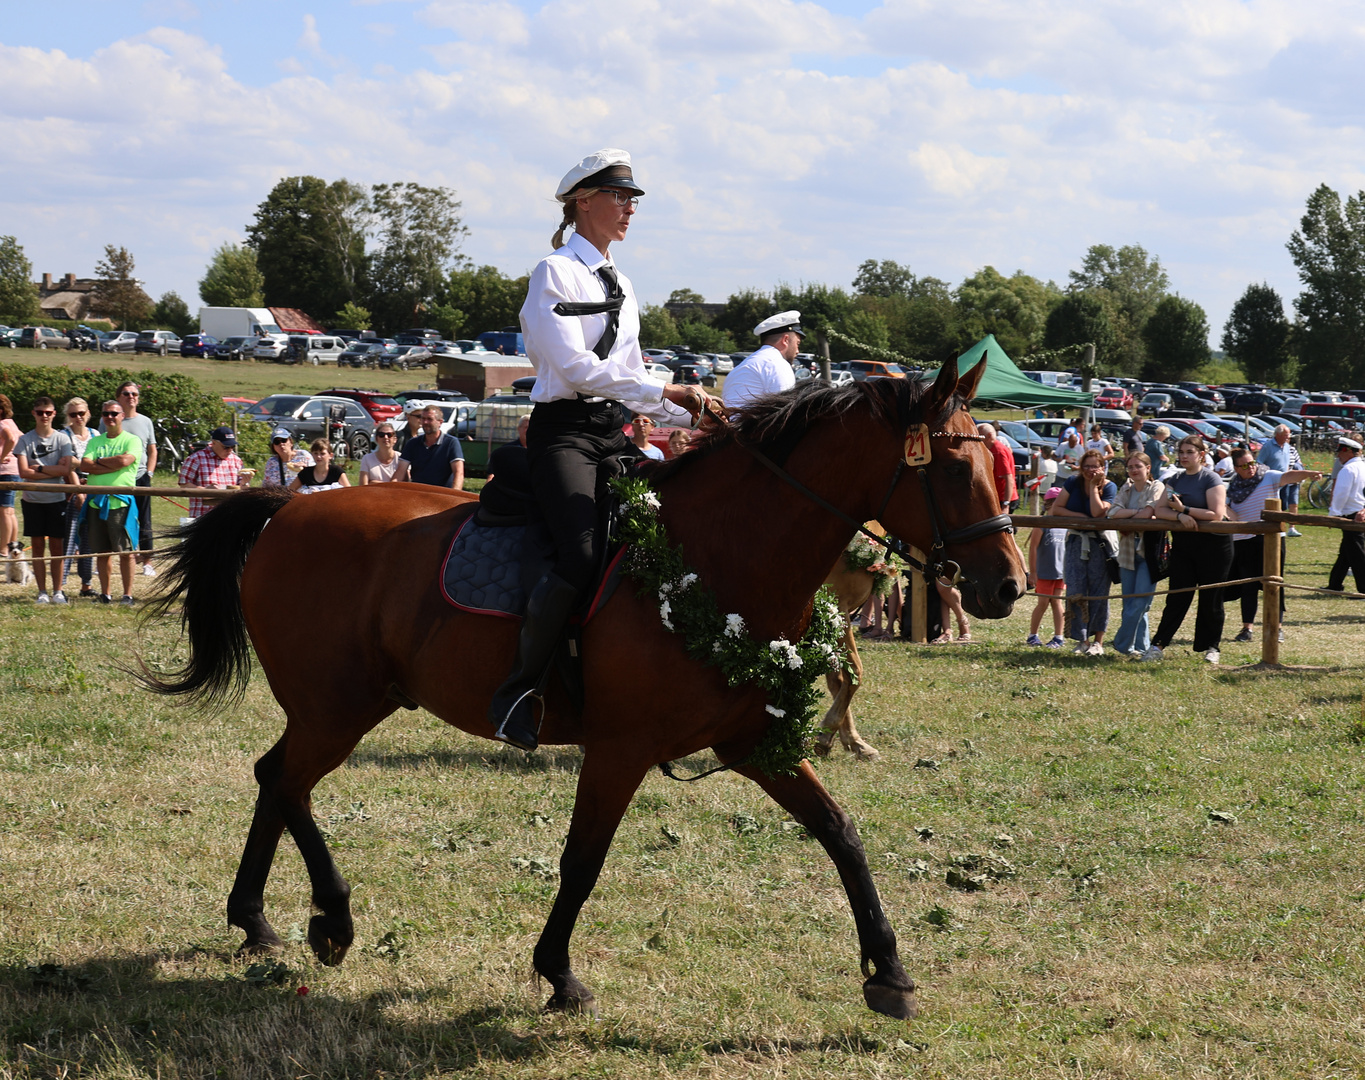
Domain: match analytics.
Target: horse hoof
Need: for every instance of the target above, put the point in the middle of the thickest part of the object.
(326, 948)
(564, 1003)
(821, 748)
(892, 1001)
(866, 753)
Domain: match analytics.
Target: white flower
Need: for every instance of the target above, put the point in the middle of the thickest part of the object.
(687, 579)
(665, 589)
(715, 647)
(734, 626)
(650, 500)
(779, 713)
(787, 651)
(665, 610)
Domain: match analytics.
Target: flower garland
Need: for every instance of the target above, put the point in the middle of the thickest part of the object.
(785, 669)
(863, 554)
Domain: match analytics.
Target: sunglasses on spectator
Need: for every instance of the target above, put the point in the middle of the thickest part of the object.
(73, 415)
(127, 393)
(111, 414)
(44, 412)
(386, 434)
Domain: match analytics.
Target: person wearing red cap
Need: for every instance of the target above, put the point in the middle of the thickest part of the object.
(581, 325)
(215, 466)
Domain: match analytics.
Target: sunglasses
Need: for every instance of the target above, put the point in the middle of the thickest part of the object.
(44, 412)
(74, 415)
(386, 435)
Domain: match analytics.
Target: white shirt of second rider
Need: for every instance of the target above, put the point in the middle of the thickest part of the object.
(763, 372)
(560, 347)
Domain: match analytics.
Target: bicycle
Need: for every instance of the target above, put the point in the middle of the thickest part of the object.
(1318, 493)
(176, 440)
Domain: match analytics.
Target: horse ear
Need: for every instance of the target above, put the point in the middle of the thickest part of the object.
(944, 388)
(966, 386)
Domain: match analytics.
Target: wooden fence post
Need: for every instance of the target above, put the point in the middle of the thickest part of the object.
(1271, 567)
(919, 603)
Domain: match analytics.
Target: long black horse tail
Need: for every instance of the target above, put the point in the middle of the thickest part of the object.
(204, 575)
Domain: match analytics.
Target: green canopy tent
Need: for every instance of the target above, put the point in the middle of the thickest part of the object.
(1005, 384)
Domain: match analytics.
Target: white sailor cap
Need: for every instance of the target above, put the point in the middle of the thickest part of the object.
(608, 167)
(1350, 444)
(779, 324)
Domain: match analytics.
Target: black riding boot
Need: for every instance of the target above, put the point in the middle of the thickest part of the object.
(513, 710)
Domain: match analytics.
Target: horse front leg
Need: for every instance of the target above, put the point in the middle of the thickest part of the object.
(887, 989)
(605, 787)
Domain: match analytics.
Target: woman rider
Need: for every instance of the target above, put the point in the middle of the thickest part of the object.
(581, 325)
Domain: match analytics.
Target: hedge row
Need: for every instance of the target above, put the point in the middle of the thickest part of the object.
(163, 396)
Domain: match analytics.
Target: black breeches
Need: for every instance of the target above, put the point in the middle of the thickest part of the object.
(566, 443)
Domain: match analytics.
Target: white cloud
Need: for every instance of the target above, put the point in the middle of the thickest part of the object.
(776, 140)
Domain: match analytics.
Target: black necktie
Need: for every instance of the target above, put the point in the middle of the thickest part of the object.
(611, 307)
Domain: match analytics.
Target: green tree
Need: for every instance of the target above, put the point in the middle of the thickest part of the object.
(471, 301)
(867, 327)
(743, 311)
(119, 295)
(1177, 339)
(419, 233)
(18, 293)
(174, 314)
(686, 296)
(698, 335)
(884, 279)
(233, 279)
(1014, 309)
(353, 317)
(657, 328)
(309, 239)
(1256, 336)
(1130, 283)
(1082, 319)
(1329, 251)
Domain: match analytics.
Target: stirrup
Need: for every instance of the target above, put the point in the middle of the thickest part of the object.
(522, 738)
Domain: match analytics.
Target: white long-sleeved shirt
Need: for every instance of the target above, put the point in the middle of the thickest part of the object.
(1348, 489)
(560, 346)
(763, 372)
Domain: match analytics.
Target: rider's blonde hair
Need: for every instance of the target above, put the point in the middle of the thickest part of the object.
(570, 204)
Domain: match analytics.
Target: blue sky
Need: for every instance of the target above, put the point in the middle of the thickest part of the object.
(778, 141)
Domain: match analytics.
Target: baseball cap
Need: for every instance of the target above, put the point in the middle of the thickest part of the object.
(224, 435)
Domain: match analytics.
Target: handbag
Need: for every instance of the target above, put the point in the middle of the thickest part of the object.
(1156, 550)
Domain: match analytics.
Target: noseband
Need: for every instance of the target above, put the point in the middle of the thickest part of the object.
(917, 455)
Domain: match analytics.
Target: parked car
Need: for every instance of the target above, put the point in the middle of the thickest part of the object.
(11, 335)
(694, 375)
(404, 396)
(1115, 397)
(657, 355)
(117, 341)
(364, 354)
(161, 342)
(305, 416)
(465, 345)
(239, 404)
(43, 337)
(235, 348)
(1257, 401)
(659, 371)
(875, 369)
(377, 403)
(404, 357)
(722, 365)
(271, 346)
(1154, 404)
(312, 349)
(200, 345)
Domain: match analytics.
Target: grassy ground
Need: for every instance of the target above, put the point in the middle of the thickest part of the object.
(1186, 897)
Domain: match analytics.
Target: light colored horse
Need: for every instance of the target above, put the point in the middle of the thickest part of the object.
(852, 588)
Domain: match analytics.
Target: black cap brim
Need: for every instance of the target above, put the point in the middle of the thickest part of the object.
(617, 176)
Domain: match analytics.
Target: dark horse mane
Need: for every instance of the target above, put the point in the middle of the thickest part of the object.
(776, 423)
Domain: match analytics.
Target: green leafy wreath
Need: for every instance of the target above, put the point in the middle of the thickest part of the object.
(785, 669)
(863, 554)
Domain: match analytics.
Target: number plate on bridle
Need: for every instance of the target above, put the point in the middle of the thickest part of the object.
(917, 450)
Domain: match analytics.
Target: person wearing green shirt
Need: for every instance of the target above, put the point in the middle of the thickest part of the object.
(111, 461)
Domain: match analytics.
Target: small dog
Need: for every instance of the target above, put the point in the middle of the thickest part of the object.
(18, 570)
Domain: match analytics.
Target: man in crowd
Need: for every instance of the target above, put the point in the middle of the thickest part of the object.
(1348, 501)
(768, 370)
(111, 461)
(140, 425)
(46, 456)
(1133, 440)
(432, 458)
(1069, 454)
(215, 466)
(1279, 455)
(1002, 467)
(640, 427)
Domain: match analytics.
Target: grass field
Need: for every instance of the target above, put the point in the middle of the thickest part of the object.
(1185, 898)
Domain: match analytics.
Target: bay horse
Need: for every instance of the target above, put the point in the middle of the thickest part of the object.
(758, 544)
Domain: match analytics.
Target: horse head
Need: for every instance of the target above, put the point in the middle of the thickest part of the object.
(948, 505)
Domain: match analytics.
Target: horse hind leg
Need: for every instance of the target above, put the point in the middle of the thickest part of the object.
(246, 902)
(605, 787)
(887, 988)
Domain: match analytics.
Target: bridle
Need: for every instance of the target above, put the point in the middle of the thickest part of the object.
(917, 455)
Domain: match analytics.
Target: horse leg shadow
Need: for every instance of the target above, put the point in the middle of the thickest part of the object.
(605, 787)
(887, 988)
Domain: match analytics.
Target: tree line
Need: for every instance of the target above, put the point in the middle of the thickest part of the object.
(387, 256)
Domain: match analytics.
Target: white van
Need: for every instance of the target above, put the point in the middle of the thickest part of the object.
(313, 349)
(1050, 378)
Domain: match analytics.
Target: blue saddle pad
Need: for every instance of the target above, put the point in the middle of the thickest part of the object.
(482, 569)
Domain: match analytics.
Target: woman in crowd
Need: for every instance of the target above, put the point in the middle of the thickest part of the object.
(77, 413)
(285, 462)
(950, 607)
(1195, 494)
(677, 441)
(379, 465)
(323, 474)
(1089, 494)
(1136, 501)
(9, 471)
(1097, 441)
(1251, 485)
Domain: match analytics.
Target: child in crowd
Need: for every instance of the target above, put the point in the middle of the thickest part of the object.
(1046, 548)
